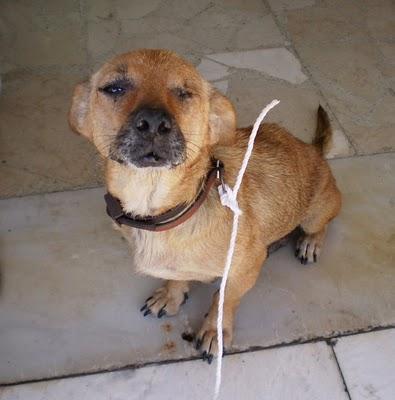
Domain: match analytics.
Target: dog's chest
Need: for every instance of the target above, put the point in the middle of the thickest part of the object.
(165, 256)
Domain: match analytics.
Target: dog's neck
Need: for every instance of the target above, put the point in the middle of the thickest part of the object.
(149, 191)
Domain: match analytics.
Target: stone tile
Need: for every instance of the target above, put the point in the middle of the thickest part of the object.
(96, 10)
(223, 29)
(281, 5)
(135, 9)
(367, 364)
(197, 27)
(346, 46)
(44, 7)
(279, 63)
(222, 86)
(253, 6)
(39, 152)
(41, 36)
(297, 111)
(84, 309)
(118, 37)
(304, 372)
(83, 313)
(211, 70)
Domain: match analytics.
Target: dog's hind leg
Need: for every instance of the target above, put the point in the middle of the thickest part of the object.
(324, 208)
(167, 299)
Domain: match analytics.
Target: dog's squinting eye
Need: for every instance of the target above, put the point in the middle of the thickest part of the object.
(115, 89)
(182, 93)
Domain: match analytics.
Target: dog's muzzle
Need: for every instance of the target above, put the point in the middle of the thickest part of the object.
(150, 138)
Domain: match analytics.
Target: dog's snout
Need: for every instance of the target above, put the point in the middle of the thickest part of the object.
(152, 121)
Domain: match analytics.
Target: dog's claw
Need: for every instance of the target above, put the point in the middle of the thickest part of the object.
(198, 344)
(207, 357)
(162, 312)
(143, 307)
(149, 298)
(147, 312)
(186, 297)
(315, 257)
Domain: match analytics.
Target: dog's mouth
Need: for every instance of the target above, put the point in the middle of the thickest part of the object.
(129, 150)
(152, 159)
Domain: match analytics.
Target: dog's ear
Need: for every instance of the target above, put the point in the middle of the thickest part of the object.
(222, 119)
(78, 114)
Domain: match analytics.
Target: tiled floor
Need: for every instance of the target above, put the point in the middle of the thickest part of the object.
(68, 297)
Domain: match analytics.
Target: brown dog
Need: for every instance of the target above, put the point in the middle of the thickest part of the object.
(158, 124)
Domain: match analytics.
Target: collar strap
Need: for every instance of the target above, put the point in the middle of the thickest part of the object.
(169, 219)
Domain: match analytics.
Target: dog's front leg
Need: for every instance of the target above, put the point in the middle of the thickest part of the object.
(167, 299)
(242, 278)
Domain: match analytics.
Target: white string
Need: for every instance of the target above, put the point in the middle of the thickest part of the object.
(228, 198)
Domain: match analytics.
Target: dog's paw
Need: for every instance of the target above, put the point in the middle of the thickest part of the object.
(164, 301)
(207, 339)
(308, 247)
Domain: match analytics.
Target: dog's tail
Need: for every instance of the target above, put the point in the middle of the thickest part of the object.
(323, 134)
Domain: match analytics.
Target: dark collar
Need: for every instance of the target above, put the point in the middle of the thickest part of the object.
(168, 219)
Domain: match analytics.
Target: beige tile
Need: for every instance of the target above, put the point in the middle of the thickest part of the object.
(135, 9)
(296, 112)
(257, 31)
(346, 46)
(367, 363)
(232, 29)
(45, 37)
(281, 5)
(304, 372)
(172, 9)
(380, 19)
(103, 36)
(197, 27)
(83, 313)
(111, 37)
(44, 7)
(277, 62)
(99, 10)
(38, 151)
(254, 6)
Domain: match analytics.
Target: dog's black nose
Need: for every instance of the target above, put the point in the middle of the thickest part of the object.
(152, 121)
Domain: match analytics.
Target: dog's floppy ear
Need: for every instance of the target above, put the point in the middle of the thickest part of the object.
(222, 119)
(78, 114)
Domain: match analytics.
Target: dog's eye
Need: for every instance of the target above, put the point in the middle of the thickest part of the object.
(182, 93)
(115, 89)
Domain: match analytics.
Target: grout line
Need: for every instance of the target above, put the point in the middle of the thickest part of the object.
(332, 344)
(308, 73)
(361, 155)
(328, 338)
(97, 185)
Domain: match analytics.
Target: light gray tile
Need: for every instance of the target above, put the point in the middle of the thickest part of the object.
(367, 362)
(277, 62)
(70, 299)
(211, 70)
(304, 372)
(222, 86)
(297, 110)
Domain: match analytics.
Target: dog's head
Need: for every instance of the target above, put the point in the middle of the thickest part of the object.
(150, 108)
